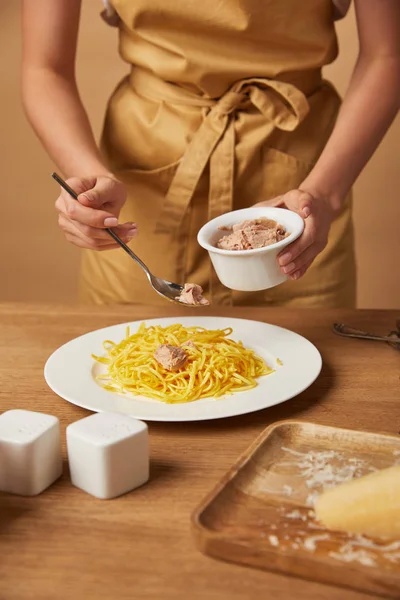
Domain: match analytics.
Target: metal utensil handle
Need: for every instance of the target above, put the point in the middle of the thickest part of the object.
(355, 333)
(74, 195)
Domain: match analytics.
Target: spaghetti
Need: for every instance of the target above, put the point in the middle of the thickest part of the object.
(216, 365)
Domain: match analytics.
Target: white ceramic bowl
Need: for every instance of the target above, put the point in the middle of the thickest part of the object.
(249, 270)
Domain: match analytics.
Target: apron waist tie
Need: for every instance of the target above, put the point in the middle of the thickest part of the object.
(282, 103)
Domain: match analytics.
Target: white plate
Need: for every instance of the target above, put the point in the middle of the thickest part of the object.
(70, 372)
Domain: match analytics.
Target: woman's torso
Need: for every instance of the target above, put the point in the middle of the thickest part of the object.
(184, 56)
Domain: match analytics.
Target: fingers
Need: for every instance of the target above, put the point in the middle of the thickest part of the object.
(104, 196)
(294, 250)
(93, 238)
(300, 272)
(300, 202)
(298, 256)
(74, 211)
(93, 192)
(79, 185)
(84, 221)
(80, 243)
(301, 263)
(296, 200)
(126, 232)
(105, 192)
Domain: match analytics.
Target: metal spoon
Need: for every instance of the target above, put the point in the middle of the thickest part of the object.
(164, 288)
(393, 338)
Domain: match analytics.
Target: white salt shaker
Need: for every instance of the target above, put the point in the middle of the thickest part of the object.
(108, 454)
(30, 452)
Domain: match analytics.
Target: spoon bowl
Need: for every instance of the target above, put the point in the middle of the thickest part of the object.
(169, 290)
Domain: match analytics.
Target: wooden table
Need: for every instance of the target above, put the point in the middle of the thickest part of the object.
(64, 544)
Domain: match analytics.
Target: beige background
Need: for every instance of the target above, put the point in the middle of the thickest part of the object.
(35, 262)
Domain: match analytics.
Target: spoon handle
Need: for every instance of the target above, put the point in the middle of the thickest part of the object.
(74, 195)
(356, 333)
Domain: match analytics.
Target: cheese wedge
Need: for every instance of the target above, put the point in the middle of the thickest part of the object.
(369, 505)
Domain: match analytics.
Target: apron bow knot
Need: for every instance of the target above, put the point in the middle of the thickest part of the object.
(282, 104)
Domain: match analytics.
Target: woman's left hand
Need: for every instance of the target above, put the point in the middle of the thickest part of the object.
(318, 215)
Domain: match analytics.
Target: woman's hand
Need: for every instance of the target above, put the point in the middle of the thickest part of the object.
(318, 215)
(99, 203)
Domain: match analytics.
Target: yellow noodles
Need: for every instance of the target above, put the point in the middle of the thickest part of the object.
(216, 365)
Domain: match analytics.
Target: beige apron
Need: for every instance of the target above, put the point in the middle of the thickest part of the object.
(224, 107)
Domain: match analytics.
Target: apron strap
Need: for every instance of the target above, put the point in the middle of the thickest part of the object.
(220, 200)
(195, 160)
(281, 103)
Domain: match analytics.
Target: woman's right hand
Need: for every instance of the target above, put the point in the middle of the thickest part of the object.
(84, 221)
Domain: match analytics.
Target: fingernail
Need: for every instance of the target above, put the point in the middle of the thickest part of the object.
(132, 232)
(306, 211)
(288, 268)
(295, 275)
(110, 222)
(285, 258)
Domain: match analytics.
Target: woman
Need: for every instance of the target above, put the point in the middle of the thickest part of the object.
(224, 107)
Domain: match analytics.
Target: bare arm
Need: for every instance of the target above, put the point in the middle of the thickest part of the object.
(55, 111)
(369, 107)
(49, 91)
(370, 104)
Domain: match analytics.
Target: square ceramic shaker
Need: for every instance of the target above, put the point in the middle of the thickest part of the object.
(108, 454)
(30, 452)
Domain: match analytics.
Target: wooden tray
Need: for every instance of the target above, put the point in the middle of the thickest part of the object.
(261, 513)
